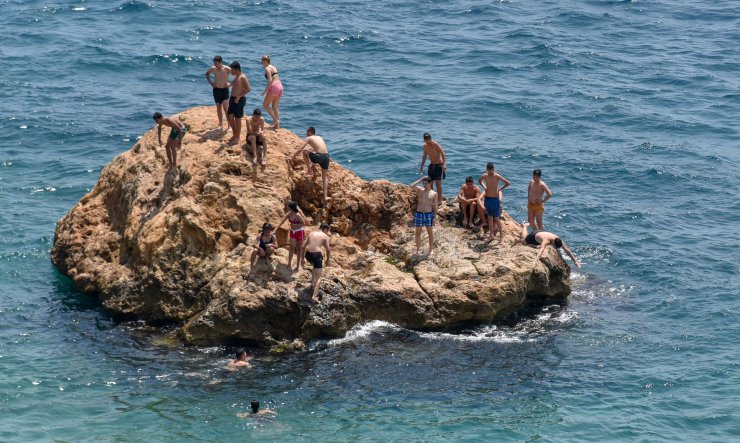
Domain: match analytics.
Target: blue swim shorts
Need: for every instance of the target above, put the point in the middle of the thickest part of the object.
(493, 206)
(423, 219)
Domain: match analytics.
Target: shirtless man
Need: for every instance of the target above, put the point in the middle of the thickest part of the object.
(438, 166)
(317, 154)
(256, 137)
(174, 141)
(426, 212)
(492, 201)
(255, 406)
(542, 239)
(220, 85)
(535, 203)
(314, 242)
(239, 90)
(241, 361)
(468, 198)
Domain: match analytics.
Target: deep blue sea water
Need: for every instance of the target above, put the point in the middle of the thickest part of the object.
(630, 108)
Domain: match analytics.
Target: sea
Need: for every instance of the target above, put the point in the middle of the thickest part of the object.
(630, 109)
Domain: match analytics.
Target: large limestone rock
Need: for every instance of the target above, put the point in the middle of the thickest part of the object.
(171, 249)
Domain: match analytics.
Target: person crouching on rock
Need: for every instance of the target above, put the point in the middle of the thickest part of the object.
(174, 141)
(542, 239)
(265, 244)
(314, 242)
(426, 212)
(297, 222)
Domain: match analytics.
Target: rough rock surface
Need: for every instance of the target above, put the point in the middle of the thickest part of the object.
(171, 249)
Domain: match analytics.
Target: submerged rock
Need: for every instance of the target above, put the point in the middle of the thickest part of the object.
(173, 248)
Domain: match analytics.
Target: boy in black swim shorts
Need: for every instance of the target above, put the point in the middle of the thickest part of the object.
(314, 242)
(317, 154)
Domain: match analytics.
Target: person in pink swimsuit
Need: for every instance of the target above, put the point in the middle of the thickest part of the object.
(273, 91)
(297, 221)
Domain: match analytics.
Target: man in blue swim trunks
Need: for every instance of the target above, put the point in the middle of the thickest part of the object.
(492, 200)
(174, 141)
(426, 212)
(239, 90)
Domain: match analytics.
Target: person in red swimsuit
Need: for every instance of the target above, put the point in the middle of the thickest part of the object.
(297, 222)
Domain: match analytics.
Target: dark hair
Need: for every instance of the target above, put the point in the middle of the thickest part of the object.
(257, 112)
(469, 179)
(255, 406)
(240, 352)
(311, 129)
(157, 116)
(266, 58)
(293, 206)
(537, 173)
(324, 226)
(426, 179)
(266, 227)
(235, 65)
(558, 243)
(218, 59)
(427, 136)
(490, 166)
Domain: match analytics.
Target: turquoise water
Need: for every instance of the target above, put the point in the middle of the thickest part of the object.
(629, 108)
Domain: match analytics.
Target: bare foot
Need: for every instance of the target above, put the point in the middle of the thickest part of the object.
(430, 253)
(465, 223)
(232, 142)
(315, 299)
(254, 162)
(264, 162)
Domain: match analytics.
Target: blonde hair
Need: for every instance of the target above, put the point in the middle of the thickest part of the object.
(266, 58)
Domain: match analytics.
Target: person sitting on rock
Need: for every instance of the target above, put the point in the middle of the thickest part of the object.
(241, 361)
(255, 406)
(314, 242)
(542, 239)
(426, 212)
(318, 154)
(174, 141)
(265, 244)
(297, 222)
(468, 198)
(256, 137)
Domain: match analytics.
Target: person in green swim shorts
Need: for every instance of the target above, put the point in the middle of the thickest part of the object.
(174, 141)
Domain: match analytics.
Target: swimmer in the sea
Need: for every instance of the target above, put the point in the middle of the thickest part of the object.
(256, 137)
(239, 90)
(492, 200)
(220, 85)
(542, 239)
(241, 361)
(264, 245)
(297, 222)
(535, 202)
(468, 198)
(426, 212)
(438, 163)
(273, 91)
(314, 242)
(317, 154)
(174, 141)
(255, 410)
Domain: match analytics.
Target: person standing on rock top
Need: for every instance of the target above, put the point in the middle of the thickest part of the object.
(438, 163)
(174, 141)
(317, 154)
(426, 212)
(273, 91)
(220, 85)
(239, 90)
(492, 200)
(297, 233)
(314, 242)
(535, 202)
(542, 239)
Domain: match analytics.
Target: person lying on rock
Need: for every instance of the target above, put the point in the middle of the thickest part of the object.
(317, 154)
(426, 212)
(314, 242)
(255, 406)
(469, 205)
(297, 222)
(542, 239)
(174, 141)
(256, 137)
(241, 361)
(265, 244)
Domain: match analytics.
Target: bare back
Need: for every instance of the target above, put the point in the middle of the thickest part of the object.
(316, 240)
(317, 143)
(491, 184)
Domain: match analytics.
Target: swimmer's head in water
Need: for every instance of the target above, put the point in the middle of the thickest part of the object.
(266, 227)
(255, 405)
(324, 227)
(235, 66)
(293, 206)
(536, 173)
(311, 130)
(558, 243)
(427, 136)
(257, 112)
(490, 166)
(469, 179)
(241, 354)
(218, 59)
(157, 116)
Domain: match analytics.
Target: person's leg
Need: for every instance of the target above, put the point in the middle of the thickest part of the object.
(264, 151)
(266, 104)
(523, 235)
(500, 228)
(230, 118)
(491, 227)
(169, 155)
(171, 146)
(464, 209)
(471, 214)
(482, 215)
(252, 140)
(325, 183)
(276, 111)
(418, 238)
(222, 108)
(531, 217)
(315, 280)
(439, 191)
(430, 234)
(290, 251)
(253, 258)
(309, 166)
(538, 219)
(237, 130)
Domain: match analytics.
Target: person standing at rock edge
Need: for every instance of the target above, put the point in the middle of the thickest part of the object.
(264, 245)
(273, 91)
(174, 141)
(220, 85)
(297, 233)
(318, 154)
(239, 90)
(241, 361)
(438, 163)
(535, 202)
(256, 137)
(314, 242)
(492, 200)
(542, 239)
(426, 212)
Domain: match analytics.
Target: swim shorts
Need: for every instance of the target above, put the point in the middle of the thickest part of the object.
(423, 219)
(220, 94)
(316, 259)
(320, 159)
(493, 206)
(275, 89)
(536, 207)
(298, 234)
(531, 239)
(435, 171)
(174, 133)
(260, 139)
(236, 108)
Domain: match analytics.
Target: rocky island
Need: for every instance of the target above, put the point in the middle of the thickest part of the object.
(173, 249)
